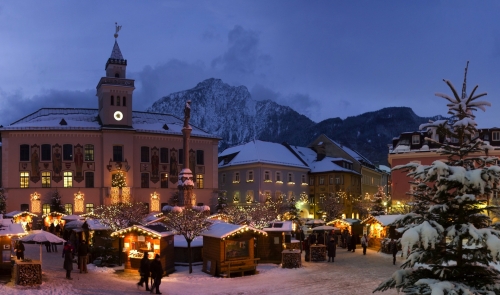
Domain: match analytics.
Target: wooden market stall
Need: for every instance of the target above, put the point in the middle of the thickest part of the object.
(378, 228)
(9, 233)
(229, 248)
(270, 247)
(23, 217)
(54, 218)
(347, 225)
(137, 240)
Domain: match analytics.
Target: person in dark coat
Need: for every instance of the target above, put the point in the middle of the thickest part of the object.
(83, 251)
(301, 237)
(52, 228)
(348, 242)
(20, 250)
(393, 248)
(144, 271)
(54, 247)
(58, 230)
(68, 259)
(47, 246)
(353, 242)
(156, 273)
(364, 243)
(332, 248)
(307, 249)
(321, 238)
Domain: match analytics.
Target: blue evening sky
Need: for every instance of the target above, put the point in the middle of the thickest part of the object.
(323, 58)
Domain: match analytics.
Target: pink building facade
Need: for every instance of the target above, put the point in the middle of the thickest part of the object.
(83, 153)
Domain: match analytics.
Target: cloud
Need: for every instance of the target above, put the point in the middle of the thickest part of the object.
(243, 55)
(15, 106)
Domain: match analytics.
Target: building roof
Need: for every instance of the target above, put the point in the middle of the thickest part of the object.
(223, 230)
(143, 230)
(384, 220)
(116, 53)
(88, 120)
(258, 151)
(7, 228)
(325, 165)
(279, 226)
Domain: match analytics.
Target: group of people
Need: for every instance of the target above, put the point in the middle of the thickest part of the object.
(68, 254)
(151, 269)
(55, 229)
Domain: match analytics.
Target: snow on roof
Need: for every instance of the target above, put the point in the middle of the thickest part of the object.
(8, 228)
(222, 230)
(142, 230)
(258, 151)
(384, 168)
(17, 213)
(180, 241)
(309, 156)
(279, 226)
(95, 224)
(351, 152)
(87, 119)
(384, 220)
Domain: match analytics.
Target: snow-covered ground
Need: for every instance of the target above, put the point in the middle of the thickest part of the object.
(351, 273)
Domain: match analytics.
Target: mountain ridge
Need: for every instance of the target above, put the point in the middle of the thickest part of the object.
(231, 113)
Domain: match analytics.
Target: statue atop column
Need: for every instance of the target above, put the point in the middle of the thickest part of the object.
(187, 114)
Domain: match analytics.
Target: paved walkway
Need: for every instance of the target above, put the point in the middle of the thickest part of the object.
(350, 274)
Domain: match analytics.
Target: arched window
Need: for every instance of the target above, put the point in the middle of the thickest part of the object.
(112, 100)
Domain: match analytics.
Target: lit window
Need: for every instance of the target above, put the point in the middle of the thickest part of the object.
(303, 179)
(68, 179)
(45, 179)
(249, 196)
(89, 208)
(68, 209)
(199, 181)
(25, 179)
(290, 178)
(236, 197)
(415, 139)
(278, 177)
(89, 152)
(45, 209)
(277, 194)
(236, 177)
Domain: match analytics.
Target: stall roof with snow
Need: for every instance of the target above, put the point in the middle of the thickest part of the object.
(224, 230)
(15, 214)
(279, 226)
(383, 220)
(143, 230)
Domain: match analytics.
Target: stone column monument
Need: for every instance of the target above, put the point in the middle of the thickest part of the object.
(186, 184)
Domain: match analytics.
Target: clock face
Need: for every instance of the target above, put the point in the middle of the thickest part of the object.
(118, 116)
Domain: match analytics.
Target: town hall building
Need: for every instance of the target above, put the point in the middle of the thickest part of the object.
(111, 154)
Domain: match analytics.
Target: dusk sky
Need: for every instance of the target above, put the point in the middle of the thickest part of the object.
(322, 58)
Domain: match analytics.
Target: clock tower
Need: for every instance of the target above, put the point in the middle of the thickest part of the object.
(115, 91)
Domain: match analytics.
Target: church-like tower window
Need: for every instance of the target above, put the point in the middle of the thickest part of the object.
(112, 100)
(118, 101)
(124, 101)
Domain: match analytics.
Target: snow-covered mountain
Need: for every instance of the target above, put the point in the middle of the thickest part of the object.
(231, 113)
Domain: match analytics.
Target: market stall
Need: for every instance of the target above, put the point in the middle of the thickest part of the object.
(347, 225)
(9, 233)
(23, 217)
(137, 241)
(228, 249)
(270, 247)
(378, 228)
(51, 220)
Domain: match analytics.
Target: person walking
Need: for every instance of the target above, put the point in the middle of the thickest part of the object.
(393, 248)
(144, 271)
(353, 242)
(83, 251)
(348, 242)
(156, 273)
(58, 230)
(54, 247)
(332, 249)
(364, 243)
(301, 237)
(47, 246)
(67, 254)
(20, 250)
(306, 249)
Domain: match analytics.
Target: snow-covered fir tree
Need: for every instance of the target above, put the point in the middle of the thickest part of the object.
(448, 236)
(378, 202)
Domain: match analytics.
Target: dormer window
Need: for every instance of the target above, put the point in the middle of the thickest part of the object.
(415, 139)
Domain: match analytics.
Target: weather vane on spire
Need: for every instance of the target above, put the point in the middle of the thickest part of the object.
(118, 28)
